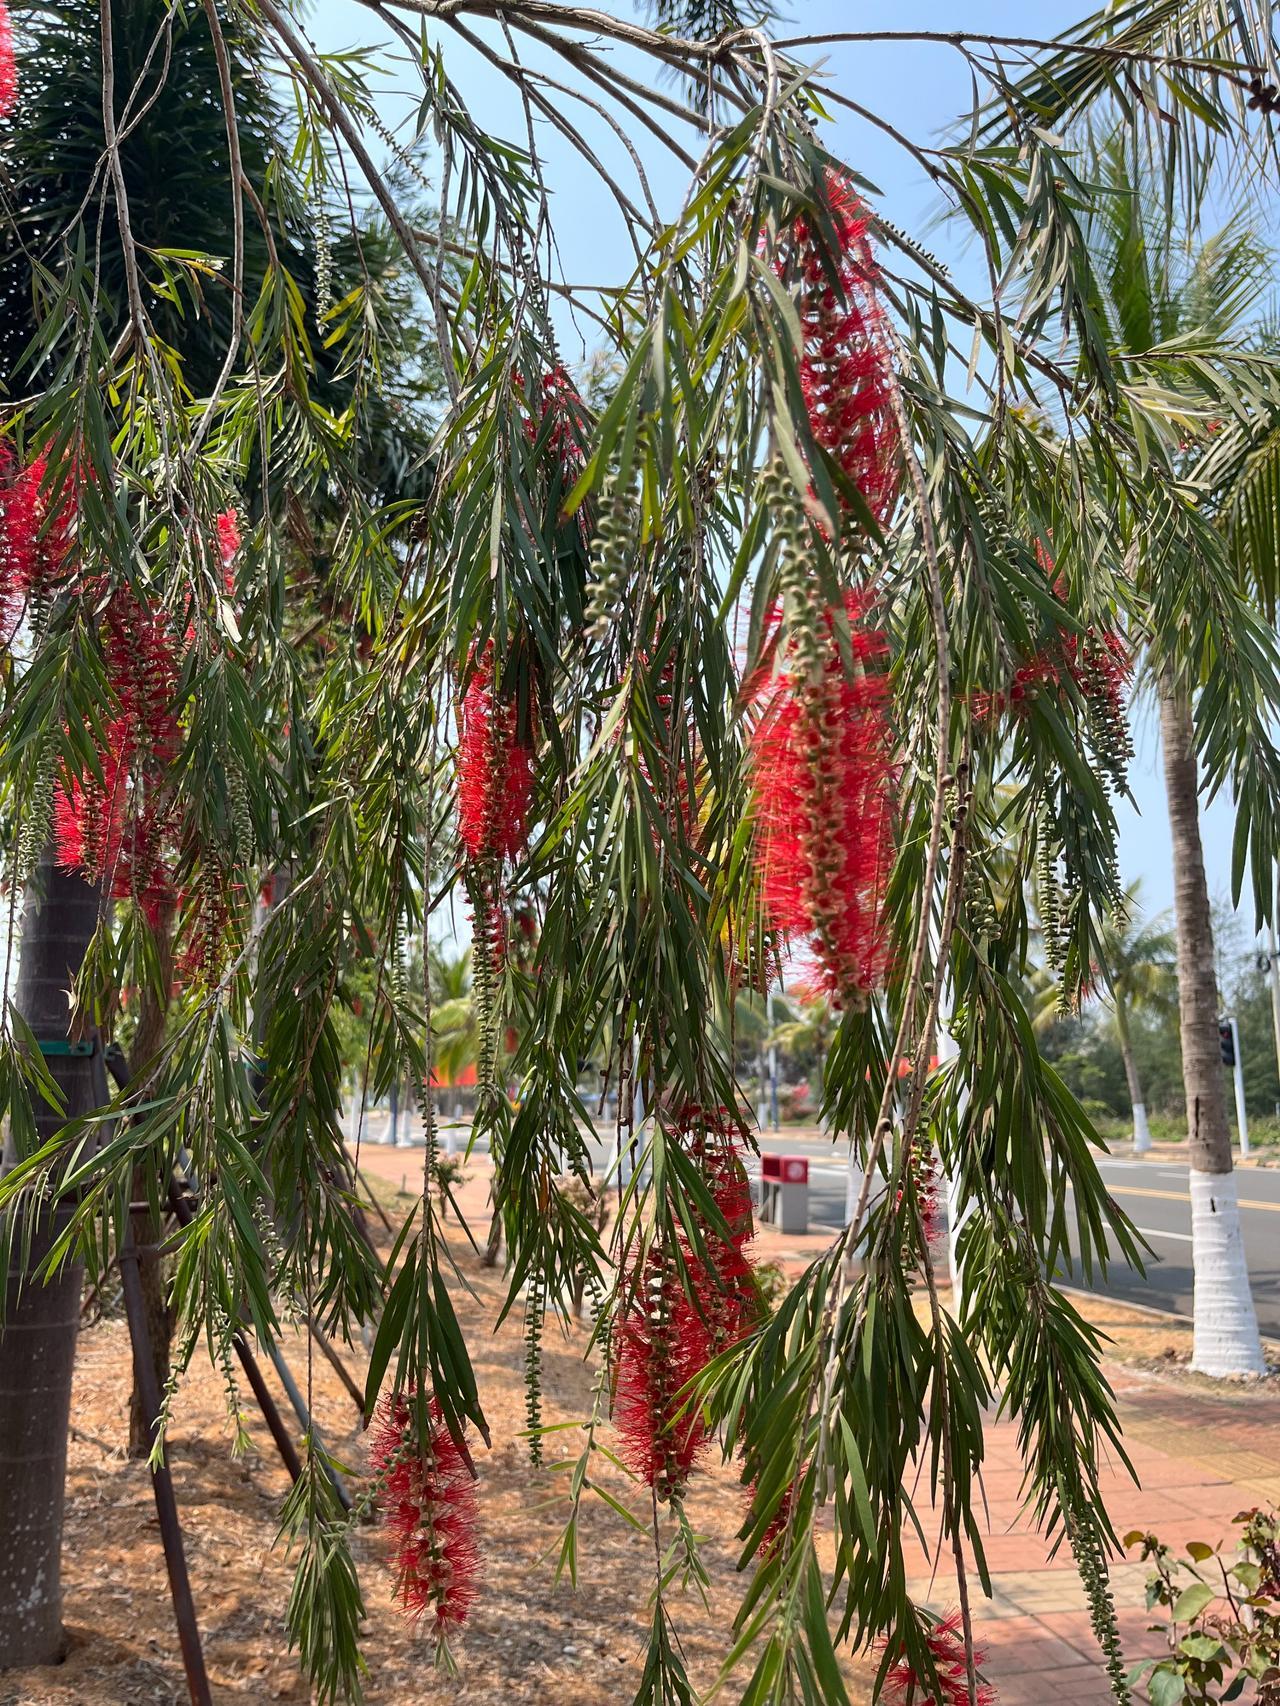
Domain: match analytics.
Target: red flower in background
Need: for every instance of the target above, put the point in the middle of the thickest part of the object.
(8, 65)
(495, 771)
(429, 1507)
(1098, 662)
(824, 765)
(904, 1687)
(845, 371)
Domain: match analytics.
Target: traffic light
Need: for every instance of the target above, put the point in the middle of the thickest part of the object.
(1226, 1042)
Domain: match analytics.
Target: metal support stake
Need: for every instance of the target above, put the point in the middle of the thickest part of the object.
(184, 1609)
(304, 1416)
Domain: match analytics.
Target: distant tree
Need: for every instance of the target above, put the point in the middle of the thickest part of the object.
(1137, 974)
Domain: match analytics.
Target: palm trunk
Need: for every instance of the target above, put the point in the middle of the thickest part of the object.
(1141, 1130)
(38, 1342)
(1226, 1328)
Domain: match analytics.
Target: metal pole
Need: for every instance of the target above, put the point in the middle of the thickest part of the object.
(773, 1065)
(1242, 1117)
(184, 1215)
(304, 1416)
(184, 1609)
(1273, 954)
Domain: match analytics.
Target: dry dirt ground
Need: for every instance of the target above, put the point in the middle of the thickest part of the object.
(528, 1639)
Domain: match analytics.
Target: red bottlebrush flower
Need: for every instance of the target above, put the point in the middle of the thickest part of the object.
(8, 65)
(495, 771)
(562, 406)
(945, 1640)
(666, 1338)
(845, 366)
(229, 541)
(114, 829)
(429, 1507)
(18, 528)
(89, 815)
(35, 536)
(781, 1517)
(1099, 664)
(924, 1174)
(660, 1343)
(716, 1140)
(823, 759)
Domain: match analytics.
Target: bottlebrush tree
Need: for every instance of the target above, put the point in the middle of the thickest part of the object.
(699, 670)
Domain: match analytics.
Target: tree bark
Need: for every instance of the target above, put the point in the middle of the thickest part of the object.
(148, 1224)
(1226, 1328)
(1141, 1130)
(38, 1341)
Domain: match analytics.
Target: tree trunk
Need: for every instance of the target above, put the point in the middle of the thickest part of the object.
(1226, 1328)
(1141, 1130)
(148, 1224)
(38, 1341)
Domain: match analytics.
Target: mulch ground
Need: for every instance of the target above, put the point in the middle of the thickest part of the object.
(529, 1638)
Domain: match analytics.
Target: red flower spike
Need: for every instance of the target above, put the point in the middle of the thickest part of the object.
(823, 758)
(845, 366)
(229, 541)
(945, 1640)
(495, 772)
(1098, 662)
(924, 1172)
(114, 830)
(429, 1508)
(661, 1343)
(665, 1338)
(8, 65)
(781, 1517)
(35, 538)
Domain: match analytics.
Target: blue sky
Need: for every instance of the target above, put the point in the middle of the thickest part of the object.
(918, 88)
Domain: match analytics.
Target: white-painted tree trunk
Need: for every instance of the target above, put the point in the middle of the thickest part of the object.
(1141, 1130)
(1226, 1327)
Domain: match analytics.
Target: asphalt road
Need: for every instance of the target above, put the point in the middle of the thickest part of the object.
(1152, 1192)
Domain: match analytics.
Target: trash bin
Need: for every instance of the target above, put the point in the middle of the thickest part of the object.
(793, 1194)
(784, 1192)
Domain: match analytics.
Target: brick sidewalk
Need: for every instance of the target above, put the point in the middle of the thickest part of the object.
(1214, 1456)
(1199, 1458)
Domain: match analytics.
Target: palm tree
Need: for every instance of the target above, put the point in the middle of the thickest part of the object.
(1138, 959)
(1161, 286)
(455, 1026)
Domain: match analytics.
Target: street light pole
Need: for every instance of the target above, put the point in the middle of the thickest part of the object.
(1273, 955)
(773, 1063)
(1242, 1117)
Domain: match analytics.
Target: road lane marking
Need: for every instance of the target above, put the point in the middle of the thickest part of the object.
(1185, 1196)
(1157, 1232)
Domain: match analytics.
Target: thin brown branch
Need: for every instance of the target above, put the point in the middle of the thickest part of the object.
(342, 122)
